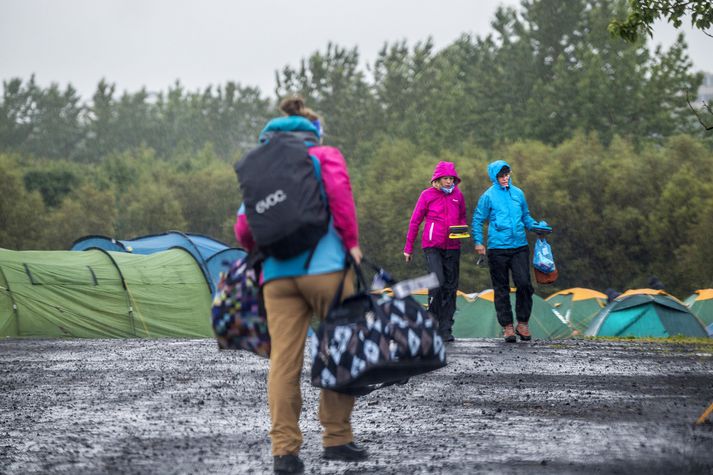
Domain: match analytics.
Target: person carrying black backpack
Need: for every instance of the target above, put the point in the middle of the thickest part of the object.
(299, 212)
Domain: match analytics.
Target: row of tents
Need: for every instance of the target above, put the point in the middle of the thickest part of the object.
(162, 286)
(635, 313)
(578, 311)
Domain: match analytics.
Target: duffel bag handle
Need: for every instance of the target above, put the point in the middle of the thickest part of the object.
(383, 275)
(361, 282)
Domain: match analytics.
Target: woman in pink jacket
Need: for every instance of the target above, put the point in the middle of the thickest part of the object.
(441, 206)
(297, 288)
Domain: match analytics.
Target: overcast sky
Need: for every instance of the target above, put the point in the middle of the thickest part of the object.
(135, 43)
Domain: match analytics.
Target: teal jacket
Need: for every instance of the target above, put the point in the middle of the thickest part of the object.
(505, 209)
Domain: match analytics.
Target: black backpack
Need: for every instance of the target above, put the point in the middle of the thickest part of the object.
(284, 202)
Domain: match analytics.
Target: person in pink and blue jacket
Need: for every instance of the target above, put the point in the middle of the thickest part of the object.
(441, 206)
(297, 288)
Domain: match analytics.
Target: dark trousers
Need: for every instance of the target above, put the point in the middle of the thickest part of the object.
(502, 263)
(442, 300)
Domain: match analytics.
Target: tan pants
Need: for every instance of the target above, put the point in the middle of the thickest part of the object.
(290, 304)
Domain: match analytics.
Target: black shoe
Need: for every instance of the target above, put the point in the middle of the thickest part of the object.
(350, 452)
(288, 464)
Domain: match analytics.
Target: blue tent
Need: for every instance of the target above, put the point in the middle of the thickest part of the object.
(210, 253)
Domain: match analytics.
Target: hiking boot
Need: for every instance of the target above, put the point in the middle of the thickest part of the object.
(288, 464)
(350, 452)
(509, 334)
(523, 331)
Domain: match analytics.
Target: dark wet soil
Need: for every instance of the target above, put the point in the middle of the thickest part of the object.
(183, 407)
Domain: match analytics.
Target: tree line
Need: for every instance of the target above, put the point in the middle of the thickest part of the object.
(597, 129)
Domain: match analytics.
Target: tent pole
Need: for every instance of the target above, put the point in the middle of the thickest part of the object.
(130, 307)
(12, 300)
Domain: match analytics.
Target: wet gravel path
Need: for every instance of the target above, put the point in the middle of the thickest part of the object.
(183, 407)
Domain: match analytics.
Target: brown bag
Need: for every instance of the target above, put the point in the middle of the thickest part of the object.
(543, 278)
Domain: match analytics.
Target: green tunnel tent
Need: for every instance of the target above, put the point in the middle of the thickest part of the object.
(475, 316)
(578, 306)
(653, 315)
(212, 255)
(701, 304)
(103, 294)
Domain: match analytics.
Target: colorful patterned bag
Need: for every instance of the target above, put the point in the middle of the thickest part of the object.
(238, 314)
(370, 341)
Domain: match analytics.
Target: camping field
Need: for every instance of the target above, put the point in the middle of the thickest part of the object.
(182, 407)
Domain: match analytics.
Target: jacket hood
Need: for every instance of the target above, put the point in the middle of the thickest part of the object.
(445, 169)
(292, 123)
(494, 168)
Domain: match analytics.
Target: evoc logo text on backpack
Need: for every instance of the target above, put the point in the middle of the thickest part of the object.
(270, 200)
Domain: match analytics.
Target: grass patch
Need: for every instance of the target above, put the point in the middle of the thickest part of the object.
(702, 345)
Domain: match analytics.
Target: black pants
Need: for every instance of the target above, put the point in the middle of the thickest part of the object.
(502, 262)
(442, 300)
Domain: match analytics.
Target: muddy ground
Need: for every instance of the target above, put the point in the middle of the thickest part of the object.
(182, 406)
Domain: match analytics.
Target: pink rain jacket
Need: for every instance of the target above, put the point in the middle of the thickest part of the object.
(440, 211)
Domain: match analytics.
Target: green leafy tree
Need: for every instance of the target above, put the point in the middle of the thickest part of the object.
(41, 122)
(334, 86)
(643, 13)
(449, 97)
(137, 121)
(56, 120)
(611, 87)
(153, 208)
(22, 213)
(123, 171)
(406, 86)
(694, 260)
(53, 181)
(640, 19)
(209, 199)
(236, 114)
(103, 123)
(679, 215)
(16, 113)
(84, 212)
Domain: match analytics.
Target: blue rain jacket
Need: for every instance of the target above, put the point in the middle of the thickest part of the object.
(505, 209)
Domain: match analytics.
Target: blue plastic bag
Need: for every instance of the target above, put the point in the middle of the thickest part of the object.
(543, 260)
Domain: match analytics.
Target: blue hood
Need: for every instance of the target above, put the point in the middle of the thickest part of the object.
(292, 123)
(494, 168)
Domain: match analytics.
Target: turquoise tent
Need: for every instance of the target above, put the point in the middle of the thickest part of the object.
(646, 315)
(701, 304)
(103, 294)
(211, 255)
